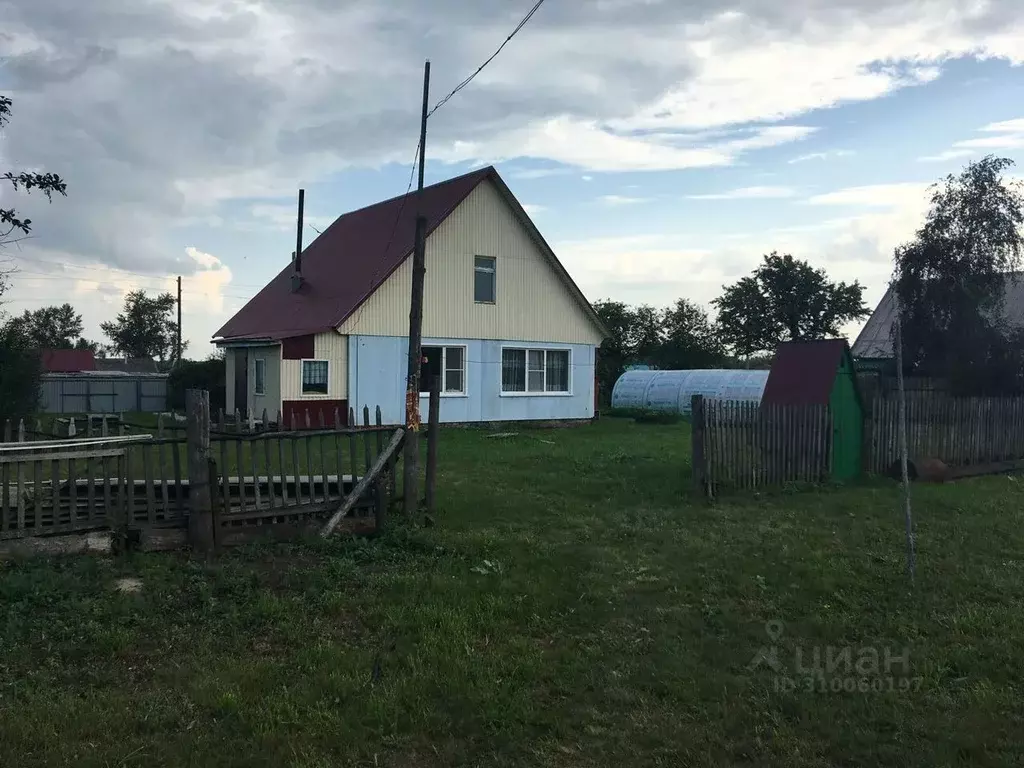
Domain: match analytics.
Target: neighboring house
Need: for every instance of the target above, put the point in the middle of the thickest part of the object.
(67, 360)
(504, 326)
(873, 348)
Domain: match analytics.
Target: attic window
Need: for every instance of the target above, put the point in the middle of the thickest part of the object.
(484, 288)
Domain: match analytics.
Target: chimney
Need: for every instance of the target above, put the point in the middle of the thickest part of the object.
(297, 255)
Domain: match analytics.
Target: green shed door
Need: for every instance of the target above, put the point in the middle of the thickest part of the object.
(847, 424)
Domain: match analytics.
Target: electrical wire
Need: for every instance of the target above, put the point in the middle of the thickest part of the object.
(491, 58)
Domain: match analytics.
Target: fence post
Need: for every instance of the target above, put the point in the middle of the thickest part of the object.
(433, 430)
(700, 466)
(200, 520)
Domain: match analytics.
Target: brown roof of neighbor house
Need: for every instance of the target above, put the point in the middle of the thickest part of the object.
(803, 372)
(67, 360)
(354, 256)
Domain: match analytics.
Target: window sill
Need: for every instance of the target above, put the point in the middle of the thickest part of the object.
(535, 394)
(259, 394)
(486, 303)
(446, 394)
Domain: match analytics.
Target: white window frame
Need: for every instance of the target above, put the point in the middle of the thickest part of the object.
(545, 348)
(256, 361)
(444, 369)
(302, 378)
(494, 277)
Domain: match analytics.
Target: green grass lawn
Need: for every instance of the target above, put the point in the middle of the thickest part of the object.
(575, 605)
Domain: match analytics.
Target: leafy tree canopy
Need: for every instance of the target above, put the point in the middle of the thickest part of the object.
(950, 282)
(54, 327)
(785, 299)
(144, 328)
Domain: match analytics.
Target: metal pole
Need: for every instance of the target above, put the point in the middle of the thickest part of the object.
(902, 402)
(412, 392)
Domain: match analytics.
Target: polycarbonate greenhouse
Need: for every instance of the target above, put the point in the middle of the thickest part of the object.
(671, 390)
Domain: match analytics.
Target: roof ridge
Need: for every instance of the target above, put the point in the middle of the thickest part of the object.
(481, 171)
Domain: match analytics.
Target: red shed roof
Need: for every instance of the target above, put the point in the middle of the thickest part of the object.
(804, 371)
(67, 360)
(355, 255)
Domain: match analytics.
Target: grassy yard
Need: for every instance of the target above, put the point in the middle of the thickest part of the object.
(575, 605)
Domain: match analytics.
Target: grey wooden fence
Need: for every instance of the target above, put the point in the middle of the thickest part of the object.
(55, 482)
(746, 445)
(962, 432)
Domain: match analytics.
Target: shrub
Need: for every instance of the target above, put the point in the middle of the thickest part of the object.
(192, 374)
(19, 373)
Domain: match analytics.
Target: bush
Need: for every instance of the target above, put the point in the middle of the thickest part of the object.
(204, 374)
(647, 416)
(19, 373)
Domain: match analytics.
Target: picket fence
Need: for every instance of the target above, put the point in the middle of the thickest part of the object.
(746, 445)
(962, 432)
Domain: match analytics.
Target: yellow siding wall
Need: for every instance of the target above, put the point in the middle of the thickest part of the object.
(330, 346)
(533, 304)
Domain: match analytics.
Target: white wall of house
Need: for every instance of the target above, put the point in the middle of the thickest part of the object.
(532, 302)
(330, 346)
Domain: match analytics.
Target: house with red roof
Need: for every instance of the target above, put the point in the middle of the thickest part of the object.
(506, 329)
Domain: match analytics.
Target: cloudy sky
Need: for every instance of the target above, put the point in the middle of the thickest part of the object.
(661, 146)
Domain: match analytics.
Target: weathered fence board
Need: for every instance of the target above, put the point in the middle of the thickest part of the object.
(743, 445)
(961, 432)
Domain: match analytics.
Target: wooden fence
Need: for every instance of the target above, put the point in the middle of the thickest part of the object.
(962, 432)
(271, 472)
(746, 445)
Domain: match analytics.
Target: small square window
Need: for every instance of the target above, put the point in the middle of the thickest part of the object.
(314, 377)
(484, 283)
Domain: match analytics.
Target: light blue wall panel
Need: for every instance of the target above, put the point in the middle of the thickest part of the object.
(377, 370)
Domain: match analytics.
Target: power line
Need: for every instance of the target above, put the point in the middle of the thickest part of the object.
(491, 58)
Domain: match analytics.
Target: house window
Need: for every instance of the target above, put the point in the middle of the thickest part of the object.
(314, 377)
(534, 371)
(484, 286)
(447, 362)
(260, 377)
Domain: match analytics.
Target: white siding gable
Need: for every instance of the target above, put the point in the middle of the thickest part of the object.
(533, 303)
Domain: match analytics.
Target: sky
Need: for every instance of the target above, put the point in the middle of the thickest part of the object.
(661, 147)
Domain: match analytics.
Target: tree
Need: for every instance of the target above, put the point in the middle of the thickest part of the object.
(145, 327)
(616, 351)
(950, 282)
(47, 183)
(785, 299)
(691, 340)
(54, 327)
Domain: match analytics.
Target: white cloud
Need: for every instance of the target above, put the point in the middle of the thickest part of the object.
(616, 200)
(826, 155)
(1009, 134)
(949, 154)
(748, 193)
(875, 195)
(533, 209)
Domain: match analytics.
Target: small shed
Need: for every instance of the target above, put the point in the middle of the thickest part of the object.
(822, 373)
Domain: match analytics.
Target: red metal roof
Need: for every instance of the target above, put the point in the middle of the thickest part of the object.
(347, 263)
(67, 360)
(804, 371)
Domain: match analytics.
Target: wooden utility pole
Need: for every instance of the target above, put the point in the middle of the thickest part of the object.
(178, 346)
(197, 435)
(410, 478)
(902, 426)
